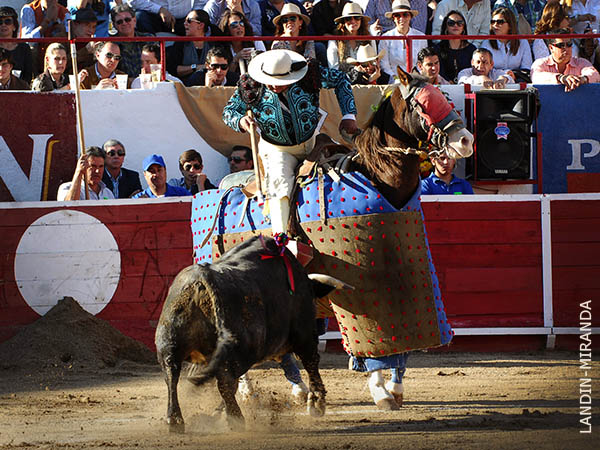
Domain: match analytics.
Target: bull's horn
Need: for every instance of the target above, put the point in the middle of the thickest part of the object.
(330, 281)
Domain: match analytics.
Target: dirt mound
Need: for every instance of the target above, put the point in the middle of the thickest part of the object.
(69, 336)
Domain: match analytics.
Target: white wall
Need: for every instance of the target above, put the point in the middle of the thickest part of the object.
(147, 122)
(15, 4)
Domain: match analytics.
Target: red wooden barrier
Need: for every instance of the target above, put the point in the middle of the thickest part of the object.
(487, 252)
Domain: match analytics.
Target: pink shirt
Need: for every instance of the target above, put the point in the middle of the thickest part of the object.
(544, 70)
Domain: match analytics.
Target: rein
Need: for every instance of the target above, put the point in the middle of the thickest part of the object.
(281, 240)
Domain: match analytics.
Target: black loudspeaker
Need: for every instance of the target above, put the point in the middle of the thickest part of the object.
(503, 121)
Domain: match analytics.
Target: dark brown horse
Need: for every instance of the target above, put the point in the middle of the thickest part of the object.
(414, 116)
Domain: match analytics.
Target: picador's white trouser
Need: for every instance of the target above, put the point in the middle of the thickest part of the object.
(280, 163)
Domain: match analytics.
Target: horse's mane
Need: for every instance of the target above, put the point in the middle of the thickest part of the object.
(377, 157)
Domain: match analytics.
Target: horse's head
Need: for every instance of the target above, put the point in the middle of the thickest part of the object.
(440, 123)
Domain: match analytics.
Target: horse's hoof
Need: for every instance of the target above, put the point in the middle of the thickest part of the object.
(387, 404)
(399, 399)
(316, 409)
(397, 390)
(300, 393)
(176, 425)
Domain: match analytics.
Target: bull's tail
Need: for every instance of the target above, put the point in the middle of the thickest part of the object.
(201, 374)
(225, 339)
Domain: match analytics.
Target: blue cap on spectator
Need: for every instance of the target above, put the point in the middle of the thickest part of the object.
(153, 159)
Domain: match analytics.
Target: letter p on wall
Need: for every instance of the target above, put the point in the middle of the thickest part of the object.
(577, 152)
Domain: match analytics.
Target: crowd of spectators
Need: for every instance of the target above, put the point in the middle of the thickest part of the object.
(189, 61)
(492, 63)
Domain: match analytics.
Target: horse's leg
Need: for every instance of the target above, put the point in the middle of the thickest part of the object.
(292, 374)
(394, 386)
(382, 398)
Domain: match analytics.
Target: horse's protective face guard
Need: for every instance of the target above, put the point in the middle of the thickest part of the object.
(438, 118)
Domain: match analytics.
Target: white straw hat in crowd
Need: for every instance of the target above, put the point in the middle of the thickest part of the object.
(278, 67)
(399, 6)
(365, 54)
(289, 9)
(351, 10)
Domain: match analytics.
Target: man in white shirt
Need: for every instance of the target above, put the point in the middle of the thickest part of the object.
(91, 163)
(476, 12)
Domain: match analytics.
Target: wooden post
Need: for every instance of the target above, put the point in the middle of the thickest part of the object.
(253, 141)
(78, 106)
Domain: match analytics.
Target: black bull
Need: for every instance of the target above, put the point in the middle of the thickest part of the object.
(236, 313)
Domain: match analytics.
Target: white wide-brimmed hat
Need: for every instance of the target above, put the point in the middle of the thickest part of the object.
(351, 10)
(365, 54)
(401, 6)
(278, 67)
(289, 9)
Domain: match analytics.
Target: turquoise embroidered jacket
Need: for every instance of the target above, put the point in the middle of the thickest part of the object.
(298, 122)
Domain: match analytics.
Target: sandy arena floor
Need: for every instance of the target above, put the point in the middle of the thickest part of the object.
(452, 400)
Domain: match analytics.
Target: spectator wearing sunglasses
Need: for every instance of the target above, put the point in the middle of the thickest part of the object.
(352, 22)
(528, 11)
(241, 166)
(395, 51)
(554, 17)
(513, 54)
(234, 23)
(561, 67)
(185, 59)
(455, 54)
(269, 9)
(102, 75)
(216, 69)
(20, 51)
(121, 181)
(193, 179)
(151, 55)
(123, 18)
(366, 68)
(249, 8)
(292, 23)
(477, 12)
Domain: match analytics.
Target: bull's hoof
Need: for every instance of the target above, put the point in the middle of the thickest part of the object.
(176, 425)
(315, 406)
(387, 404)
(236, 423)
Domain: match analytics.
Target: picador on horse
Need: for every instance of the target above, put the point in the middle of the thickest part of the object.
(379, 324)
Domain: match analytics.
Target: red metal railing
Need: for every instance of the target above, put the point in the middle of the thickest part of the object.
(409, 39)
